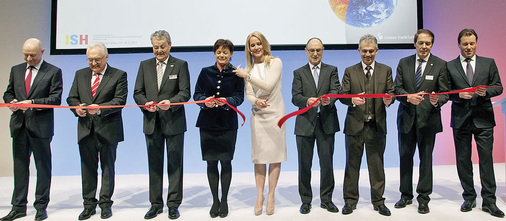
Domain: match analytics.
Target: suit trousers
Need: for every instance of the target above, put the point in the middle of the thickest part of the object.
(375, 147)
(424, 139)
(92, 152)
(155, 147)
(325, 149)
(22, 147)
(463, 149)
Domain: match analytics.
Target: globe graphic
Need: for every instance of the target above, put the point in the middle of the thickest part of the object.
(363, 13)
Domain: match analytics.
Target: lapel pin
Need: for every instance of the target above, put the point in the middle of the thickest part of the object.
(171, 65)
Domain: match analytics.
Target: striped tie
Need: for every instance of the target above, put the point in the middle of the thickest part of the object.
(368, 73)
(418, 73)
(159, 73)
(95, 85)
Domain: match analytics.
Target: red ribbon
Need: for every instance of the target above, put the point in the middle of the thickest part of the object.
(304, 110)
(18, 105)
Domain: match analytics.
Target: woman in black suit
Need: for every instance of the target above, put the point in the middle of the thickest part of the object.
(218, 122)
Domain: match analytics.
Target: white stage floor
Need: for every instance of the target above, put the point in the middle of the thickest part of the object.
(131, 198)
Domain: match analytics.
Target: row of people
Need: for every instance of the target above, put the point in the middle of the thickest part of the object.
(164, 80)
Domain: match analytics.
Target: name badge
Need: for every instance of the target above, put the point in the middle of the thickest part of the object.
(172, 76)
(429, 77)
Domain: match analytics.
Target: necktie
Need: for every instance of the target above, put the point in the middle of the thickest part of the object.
(368, 73)
(95, 85)
(28, 80)
(159, 73)
(315, 75)
(418, 73)
(469, 71)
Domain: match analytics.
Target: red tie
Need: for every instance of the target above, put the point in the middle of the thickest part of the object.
(28, 80)
(95, 85)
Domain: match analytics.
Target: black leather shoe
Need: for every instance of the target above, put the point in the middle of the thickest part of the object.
(493, 210)
(305, 208)
(13, 214)
(106, 213)
(468, 205)
(153, 212)
(86, 214)
(423, 208)
(348, 208)
(173, 213)
(383, 210)
(215, 210)
(40, 215)
(403, 203)
(329, 206)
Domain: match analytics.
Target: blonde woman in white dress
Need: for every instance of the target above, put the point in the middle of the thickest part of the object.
(263, 90)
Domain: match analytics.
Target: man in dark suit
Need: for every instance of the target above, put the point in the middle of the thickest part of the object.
(366, 124)
(318, 124)
(32, 129)
(164, 80)
(418, 118)
(98, 130)
(472, 114)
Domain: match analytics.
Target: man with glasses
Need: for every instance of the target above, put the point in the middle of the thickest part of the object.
(32, 82)
(319, 124)
(99, 129)
(366, 124)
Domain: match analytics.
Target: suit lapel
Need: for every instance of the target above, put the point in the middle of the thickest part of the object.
(412, 71)
(458, 66)
(103, 82)
(308, 74)
(361, 76)
(40, 74)
(168, 70)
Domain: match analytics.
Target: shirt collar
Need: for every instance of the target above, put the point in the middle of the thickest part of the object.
(102, 73)
(37, 66)
(166, 60)
(463, 59)
(364, 65)
(426, 58)
(319, 65)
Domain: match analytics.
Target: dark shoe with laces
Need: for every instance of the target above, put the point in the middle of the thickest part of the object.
(402, 203)
(153, 212)
(13, 214)
(383, 210)
(106, 213)
(86, 214)
(468, 205)
(305, 208)
(40, 215)
(329, 206)
(493, 210)
(423, 208)
(173, 213)
(348, 208)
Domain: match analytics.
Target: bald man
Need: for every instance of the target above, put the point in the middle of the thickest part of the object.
(32, 82)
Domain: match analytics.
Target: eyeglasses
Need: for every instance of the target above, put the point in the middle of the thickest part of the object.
(97, 60)
(318, 50)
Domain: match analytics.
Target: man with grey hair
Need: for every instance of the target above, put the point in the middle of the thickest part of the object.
(32, 82)
(99, 129)
(366, 124)
(163, 80)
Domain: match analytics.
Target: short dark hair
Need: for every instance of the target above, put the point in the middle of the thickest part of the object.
(467, 32)
(424, 31)
(313, 39)
(225, 43)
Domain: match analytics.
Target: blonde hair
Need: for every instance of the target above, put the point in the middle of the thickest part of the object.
(266, 46)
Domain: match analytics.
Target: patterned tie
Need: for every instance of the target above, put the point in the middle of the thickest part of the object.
(159, 73)
(95, 85)
(28, 80)
(469, 71)
(418, 73)
(315, 75)
(368, 73)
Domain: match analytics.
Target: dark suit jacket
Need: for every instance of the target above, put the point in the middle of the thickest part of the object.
(354, 81)
(175, 87)
(223, 84)
(434, 79)
(112, 90)
(304, 87)
(478, 108)
(46, 89)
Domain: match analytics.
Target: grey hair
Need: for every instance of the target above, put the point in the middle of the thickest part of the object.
(160, 35)
(368, 39)
(97, 45)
